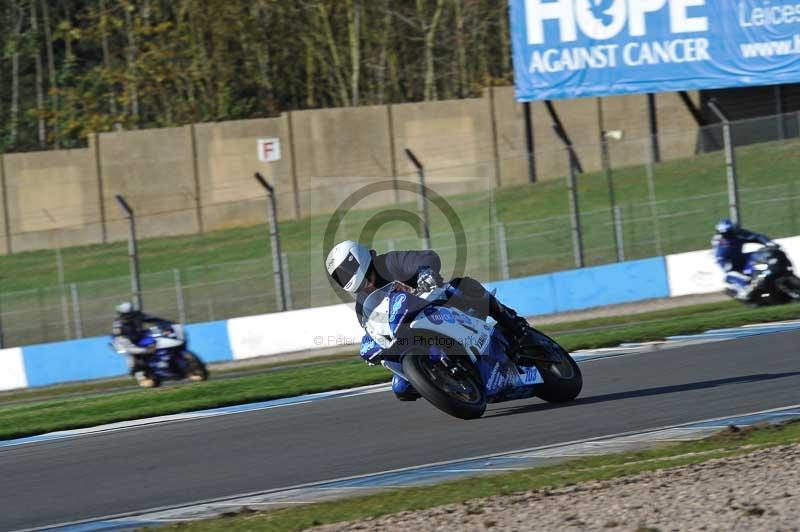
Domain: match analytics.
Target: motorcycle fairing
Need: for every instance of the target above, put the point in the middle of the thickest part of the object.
(393, 336)
(502, 378)
(450, 322)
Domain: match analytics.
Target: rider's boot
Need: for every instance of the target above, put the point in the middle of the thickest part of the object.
(139, 371)
(403, 390)
(514, 327)
(740, 286)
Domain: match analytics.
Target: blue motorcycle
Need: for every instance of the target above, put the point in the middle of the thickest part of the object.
(168, 358)
(455, 359)
(773, 274)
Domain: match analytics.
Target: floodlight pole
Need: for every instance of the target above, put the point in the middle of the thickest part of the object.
(275, 241)
(422, 198)
(730, 162)
(575, 214)
(606, 161)
(529, 143)
(133, 251)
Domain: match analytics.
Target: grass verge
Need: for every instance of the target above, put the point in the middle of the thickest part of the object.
(596, 325)
(75, 412)
(96, 387)
(604, 467)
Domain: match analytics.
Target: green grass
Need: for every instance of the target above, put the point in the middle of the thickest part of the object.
(122, 383)
(581, 470)
(49, 415)
(687, 324)
(595, 326)
(57, 413)
(228, 273)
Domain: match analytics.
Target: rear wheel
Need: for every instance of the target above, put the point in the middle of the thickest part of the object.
(791, 287)
(562, 377)
(195, 368)
(453, 389)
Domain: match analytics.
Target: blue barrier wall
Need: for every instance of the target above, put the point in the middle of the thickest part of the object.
(92, 358)
(210, 341)
(610, 284)
(529, 296)
(89, 358)
(585, 288)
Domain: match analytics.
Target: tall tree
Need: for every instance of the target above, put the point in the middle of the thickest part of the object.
(429, 26)
(34, 45)
(17, 14)
(51, 71)
(113, 64)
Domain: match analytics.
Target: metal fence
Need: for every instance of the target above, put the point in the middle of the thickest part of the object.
(654, 208)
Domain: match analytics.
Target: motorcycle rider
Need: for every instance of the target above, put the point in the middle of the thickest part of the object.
(361, 271)
(728, 244)
(126, 331)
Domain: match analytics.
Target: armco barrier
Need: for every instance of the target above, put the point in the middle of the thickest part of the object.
(336, 325)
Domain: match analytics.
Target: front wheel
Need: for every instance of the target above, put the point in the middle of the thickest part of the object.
(195, 368)
(562, 377)
(454, 390)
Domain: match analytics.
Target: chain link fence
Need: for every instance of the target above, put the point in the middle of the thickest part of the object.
(653, 208)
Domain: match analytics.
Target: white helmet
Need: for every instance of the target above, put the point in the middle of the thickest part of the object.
(126, 308)
(348, 263)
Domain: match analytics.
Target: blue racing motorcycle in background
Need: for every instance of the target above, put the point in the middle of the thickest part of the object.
(456, 360)
(170, 359)
(773, 275)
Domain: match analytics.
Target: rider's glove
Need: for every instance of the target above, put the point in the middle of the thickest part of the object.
(428, 279)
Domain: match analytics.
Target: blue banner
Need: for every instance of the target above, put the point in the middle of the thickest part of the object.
(579, 48)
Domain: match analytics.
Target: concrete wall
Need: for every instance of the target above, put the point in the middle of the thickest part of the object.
(154, 170)
(227, 158)
(453, 139)
(336, 149)
(200, 178)
(52, 198)
(677, 133)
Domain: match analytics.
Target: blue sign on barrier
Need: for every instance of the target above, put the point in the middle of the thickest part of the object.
(578, 48)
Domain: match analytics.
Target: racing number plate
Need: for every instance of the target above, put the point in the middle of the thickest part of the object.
(530, 376)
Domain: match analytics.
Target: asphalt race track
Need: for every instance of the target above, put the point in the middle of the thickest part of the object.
(78, 478)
